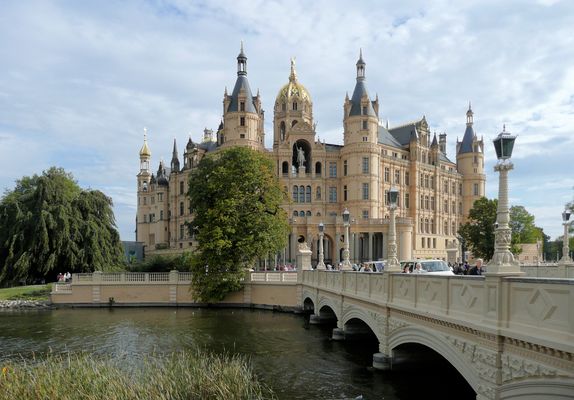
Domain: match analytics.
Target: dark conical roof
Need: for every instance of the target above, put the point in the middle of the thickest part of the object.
(468, 138)
(358, 93)
(242, 83)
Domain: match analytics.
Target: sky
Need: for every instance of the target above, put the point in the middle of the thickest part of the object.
(79, 81)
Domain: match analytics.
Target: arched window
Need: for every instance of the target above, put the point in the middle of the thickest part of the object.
(294, 106)
(285, 167)
(295, 213)
(317, 168)
(318, 193)
(308, 213)
(301, 194)
(301, 213)
(432, 226)
(308, 194)
(422, 226)
(427, 228)
(295, 194)
(282, 131)
(145, 186)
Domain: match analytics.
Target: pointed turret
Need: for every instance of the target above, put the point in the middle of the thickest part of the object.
(466, 146)
(174, 158)
(242, 88)
(360, 101)
(434, 141)
(145, 154)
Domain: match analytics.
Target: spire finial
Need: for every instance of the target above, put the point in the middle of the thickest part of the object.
(469, 115)
(145, 134)
(241, 62)
(503, 128)
(361, 66)
(469, 106)
(293, 74)
(242, 46)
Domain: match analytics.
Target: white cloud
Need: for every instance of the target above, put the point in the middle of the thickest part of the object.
(80, 80)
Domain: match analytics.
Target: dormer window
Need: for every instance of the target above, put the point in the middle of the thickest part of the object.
(364, 110)
(294, 106)
(242, 121)
(242, 106)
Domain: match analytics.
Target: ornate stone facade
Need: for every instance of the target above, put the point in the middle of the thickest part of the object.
(322, 179)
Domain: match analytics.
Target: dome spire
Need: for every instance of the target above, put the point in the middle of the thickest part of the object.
(361, 66)
(241, 62)
(145, 151)
(469, 115)
(293, 74)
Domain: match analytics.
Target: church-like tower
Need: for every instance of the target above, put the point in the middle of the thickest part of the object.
(361, 188)
(242, 113)
(470, 163)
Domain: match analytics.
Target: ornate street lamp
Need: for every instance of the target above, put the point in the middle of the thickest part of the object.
(565, 248)
(346, 254)
(502, 261)
(321, 264)
(393, 262)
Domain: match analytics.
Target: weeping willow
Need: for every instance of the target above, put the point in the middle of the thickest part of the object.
(48, 224)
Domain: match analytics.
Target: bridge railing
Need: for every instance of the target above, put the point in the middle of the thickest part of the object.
(161, 278)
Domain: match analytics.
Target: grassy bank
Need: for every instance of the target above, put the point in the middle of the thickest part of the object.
(186, 375)
(32, 292)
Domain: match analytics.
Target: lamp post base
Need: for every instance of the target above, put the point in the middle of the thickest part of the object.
(503, 263)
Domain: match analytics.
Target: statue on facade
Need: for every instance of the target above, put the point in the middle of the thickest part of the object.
(300, 157)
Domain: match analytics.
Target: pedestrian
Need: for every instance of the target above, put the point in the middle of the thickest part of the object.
(419, 269)
(477, 269)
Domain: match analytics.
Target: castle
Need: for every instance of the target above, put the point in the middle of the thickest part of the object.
(321, 180)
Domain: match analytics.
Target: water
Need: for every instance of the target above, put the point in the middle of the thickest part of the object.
(297, 360)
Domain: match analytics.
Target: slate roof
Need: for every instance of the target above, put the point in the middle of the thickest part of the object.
(358, 93)
(387, 138)
(466, 144)
(403, 133)
(242, 83)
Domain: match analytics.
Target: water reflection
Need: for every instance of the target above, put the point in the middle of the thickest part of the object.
(298, 360)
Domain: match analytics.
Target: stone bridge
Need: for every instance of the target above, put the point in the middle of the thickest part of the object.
(509, 337)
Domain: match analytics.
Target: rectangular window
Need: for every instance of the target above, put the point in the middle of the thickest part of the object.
(332, 169)
(145, 218)
(432, 203)
(407, 179)
(242, 135)
(161, 215)
(397, 177)
(386, 197)
(365, 124)
(365, 165)
(160, 197)
(445, 186)
(422, 204)
(475, 190)
(242, 121)
(407, 200)
(365, 214)
(181, 187)
(332, 194)
(365, 191)
(453, 189)
(242, 106)
(181, 208)
(364, 110)
(445, 206)
(345, 193)
(423, 242)
(365, 139)
(428, 243)
(345, 168)
(152, 199)
(181, 231)
(387, 174)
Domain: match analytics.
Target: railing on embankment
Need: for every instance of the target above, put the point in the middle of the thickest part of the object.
(266, 289)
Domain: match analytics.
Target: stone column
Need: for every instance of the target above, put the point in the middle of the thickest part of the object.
(337, 258)
(370, 246)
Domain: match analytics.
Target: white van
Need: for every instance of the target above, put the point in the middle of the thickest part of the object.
(434, 267)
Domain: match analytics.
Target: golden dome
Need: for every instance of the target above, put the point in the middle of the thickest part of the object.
(145, 151)
(293, 89)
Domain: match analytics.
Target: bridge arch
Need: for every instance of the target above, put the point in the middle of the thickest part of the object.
(560, 388)
(327, 302)
(356, 313)
(431, 340)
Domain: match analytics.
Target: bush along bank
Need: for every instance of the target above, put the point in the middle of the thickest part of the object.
(24, 304)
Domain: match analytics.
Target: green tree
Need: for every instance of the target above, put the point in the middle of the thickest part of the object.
(478, 232)
(48, 224)
(235, 198)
